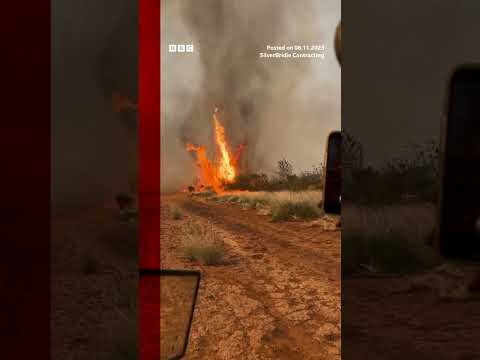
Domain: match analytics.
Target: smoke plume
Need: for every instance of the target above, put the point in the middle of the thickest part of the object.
(280, 108)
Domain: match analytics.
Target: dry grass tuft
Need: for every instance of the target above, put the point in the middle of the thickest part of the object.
(390, 239)
(177, 214)
(288, 210)
(202, 243)
(282, 205)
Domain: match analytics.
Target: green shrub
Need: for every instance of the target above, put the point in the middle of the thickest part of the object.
(284, 179)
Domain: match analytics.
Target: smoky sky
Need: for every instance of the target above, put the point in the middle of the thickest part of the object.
(278, 108)
(397, 60)
(94, 53)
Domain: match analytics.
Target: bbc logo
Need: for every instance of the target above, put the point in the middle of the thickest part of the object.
(181, 48)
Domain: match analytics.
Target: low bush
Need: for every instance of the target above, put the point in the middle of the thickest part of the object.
(412, 178)
(283, 179)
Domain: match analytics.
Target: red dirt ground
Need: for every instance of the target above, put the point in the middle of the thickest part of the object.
(277, 294)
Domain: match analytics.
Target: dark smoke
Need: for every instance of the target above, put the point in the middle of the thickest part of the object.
(94, 55)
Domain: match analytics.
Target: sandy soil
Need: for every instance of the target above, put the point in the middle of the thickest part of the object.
(277, 295)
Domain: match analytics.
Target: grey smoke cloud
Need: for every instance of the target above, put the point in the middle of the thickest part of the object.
(280, 108)
(398, 58)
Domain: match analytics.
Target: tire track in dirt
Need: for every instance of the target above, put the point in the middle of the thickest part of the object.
(277, 296)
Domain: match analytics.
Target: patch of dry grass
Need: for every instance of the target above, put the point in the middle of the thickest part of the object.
(200, 242)
(177, 214)
(390, 239)
(282, 205)
(289, 210)
(313, 196)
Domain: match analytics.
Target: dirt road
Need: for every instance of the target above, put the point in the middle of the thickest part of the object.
(277, 295)
(410, 322)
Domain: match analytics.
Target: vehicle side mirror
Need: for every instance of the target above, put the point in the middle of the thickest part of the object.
(174, 314)
(338, 43)
(458, 220)
(332, 179)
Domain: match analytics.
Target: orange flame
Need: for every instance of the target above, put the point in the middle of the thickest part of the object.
(207, 171)
(224, 170)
